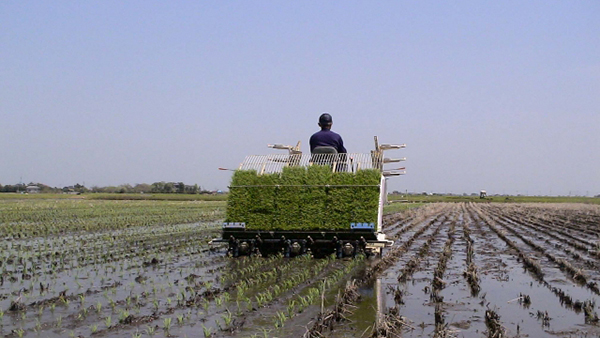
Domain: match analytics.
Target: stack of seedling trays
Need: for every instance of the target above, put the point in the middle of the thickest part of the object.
(299, 198)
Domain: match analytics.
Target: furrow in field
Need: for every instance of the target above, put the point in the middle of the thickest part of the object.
(564, 216)
(417, 276)
(565, 293)
(573, 272)
(438, 283)
(588, 247)
(364, 315)
(539, 240)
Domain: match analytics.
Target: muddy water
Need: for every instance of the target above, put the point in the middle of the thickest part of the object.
(504, 284)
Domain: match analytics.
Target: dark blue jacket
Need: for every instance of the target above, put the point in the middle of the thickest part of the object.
(327, 138)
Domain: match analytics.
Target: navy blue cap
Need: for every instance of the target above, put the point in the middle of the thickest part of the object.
(325, 118)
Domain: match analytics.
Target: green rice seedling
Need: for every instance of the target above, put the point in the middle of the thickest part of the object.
(207, 331)
(280, 319)
(265, 332)
(167, 324)
(123, 315)
(268, 296)
(94, 328)
(314, 293)
(151, 331)
(227, 318)
(20, 332)
(108, 321)
(98, 307)
(291, 307)
(240, 292)
(180, 319)
(59, 321)
(260, 300)
(304, 302)
(136, 334)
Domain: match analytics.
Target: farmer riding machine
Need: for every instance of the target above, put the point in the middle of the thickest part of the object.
(296, 203)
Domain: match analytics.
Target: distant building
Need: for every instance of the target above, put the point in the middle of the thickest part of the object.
(32, 189)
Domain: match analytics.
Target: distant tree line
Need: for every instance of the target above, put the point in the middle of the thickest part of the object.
(143, 188)
(21, 187)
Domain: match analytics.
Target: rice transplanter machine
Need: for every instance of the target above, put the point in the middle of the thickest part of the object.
(246, 238)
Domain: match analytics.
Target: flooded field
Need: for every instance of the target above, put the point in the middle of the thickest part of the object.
(456, 270)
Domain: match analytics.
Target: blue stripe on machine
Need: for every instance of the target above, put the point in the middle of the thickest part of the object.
(369, 226)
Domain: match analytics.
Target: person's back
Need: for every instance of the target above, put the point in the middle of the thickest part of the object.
(325, 137)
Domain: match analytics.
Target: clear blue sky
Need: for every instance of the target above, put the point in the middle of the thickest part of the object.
(502, 96)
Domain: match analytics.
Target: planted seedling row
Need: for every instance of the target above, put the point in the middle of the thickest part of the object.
(189, 249)
(217, 308)
(46, 290)
(318, 291)
(27, 263)
(122, 306)
(260, 300)
(100, 215)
